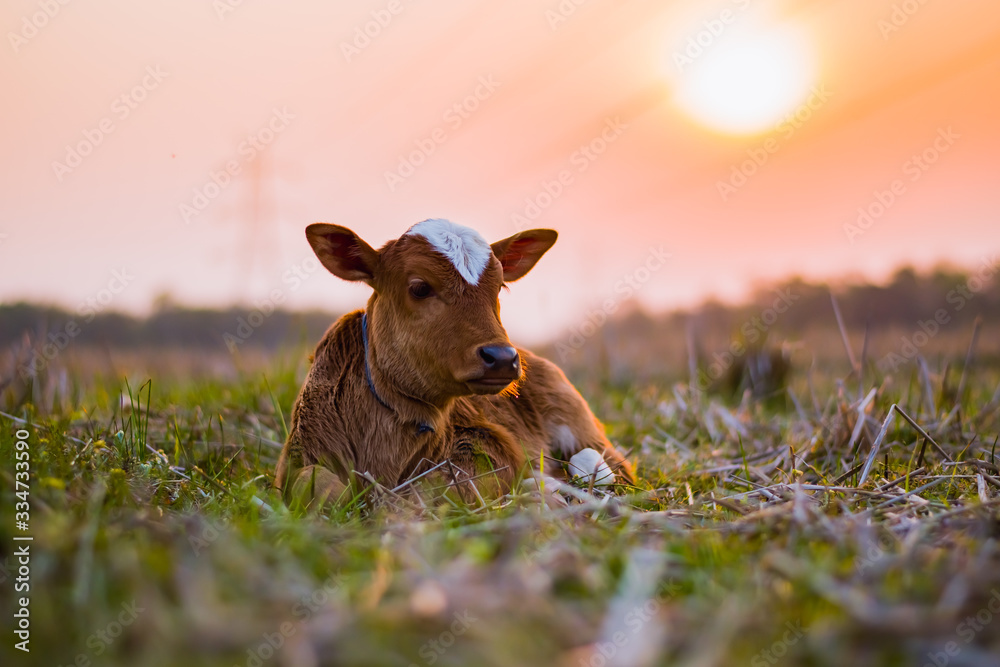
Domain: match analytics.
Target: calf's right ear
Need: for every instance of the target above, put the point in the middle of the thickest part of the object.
(343, 252)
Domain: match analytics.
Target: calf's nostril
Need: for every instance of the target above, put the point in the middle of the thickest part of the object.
(498, 357)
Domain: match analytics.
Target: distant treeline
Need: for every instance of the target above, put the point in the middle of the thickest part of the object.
(903, 318)
(954, 298)
(910, 297)
(168, 326)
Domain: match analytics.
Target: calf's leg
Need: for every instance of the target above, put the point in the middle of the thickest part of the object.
(314, 487)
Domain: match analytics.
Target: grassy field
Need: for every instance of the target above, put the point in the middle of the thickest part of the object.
(820, 527)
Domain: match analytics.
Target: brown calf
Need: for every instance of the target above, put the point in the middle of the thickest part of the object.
(426, 372)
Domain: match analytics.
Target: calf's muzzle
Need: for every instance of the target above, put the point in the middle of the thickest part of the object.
(501, 364)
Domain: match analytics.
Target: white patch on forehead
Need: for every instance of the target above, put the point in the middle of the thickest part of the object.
(464, 247)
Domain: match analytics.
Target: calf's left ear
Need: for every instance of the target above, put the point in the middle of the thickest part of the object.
(520, 252)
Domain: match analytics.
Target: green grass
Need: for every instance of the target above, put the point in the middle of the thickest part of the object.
(158, 540)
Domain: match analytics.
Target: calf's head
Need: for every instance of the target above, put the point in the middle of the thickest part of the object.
(434, 327)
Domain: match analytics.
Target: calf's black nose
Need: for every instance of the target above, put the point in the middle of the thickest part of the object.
(500, 361)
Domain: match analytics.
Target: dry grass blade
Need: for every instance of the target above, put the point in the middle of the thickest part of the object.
(843, 332)
(902, 478)
(730, 504)
(420, 476)
(968, 358)
(984, 496)
(267, 441)
(859, 425)
(972, 507)
(849, 473)
(922, 432)
(910, 493)
(692, 359)
(864, 358)
(875, 446)
(928, 388)
(991, 479)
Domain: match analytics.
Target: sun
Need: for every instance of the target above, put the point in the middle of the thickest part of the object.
(746, 83)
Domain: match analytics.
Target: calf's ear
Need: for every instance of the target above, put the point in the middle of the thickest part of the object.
(520, 252)
(343, 252)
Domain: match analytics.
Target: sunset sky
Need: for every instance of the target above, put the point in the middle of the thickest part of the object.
(741, 137)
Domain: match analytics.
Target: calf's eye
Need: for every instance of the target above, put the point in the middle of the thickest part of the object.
(420, 290)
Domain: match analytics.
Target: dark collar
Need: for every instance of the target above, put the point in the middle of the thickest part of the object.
(422, 427)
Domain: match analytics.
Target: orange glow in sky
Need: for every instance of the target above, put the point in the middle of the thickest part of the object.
(182, 148)
(747, 86)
